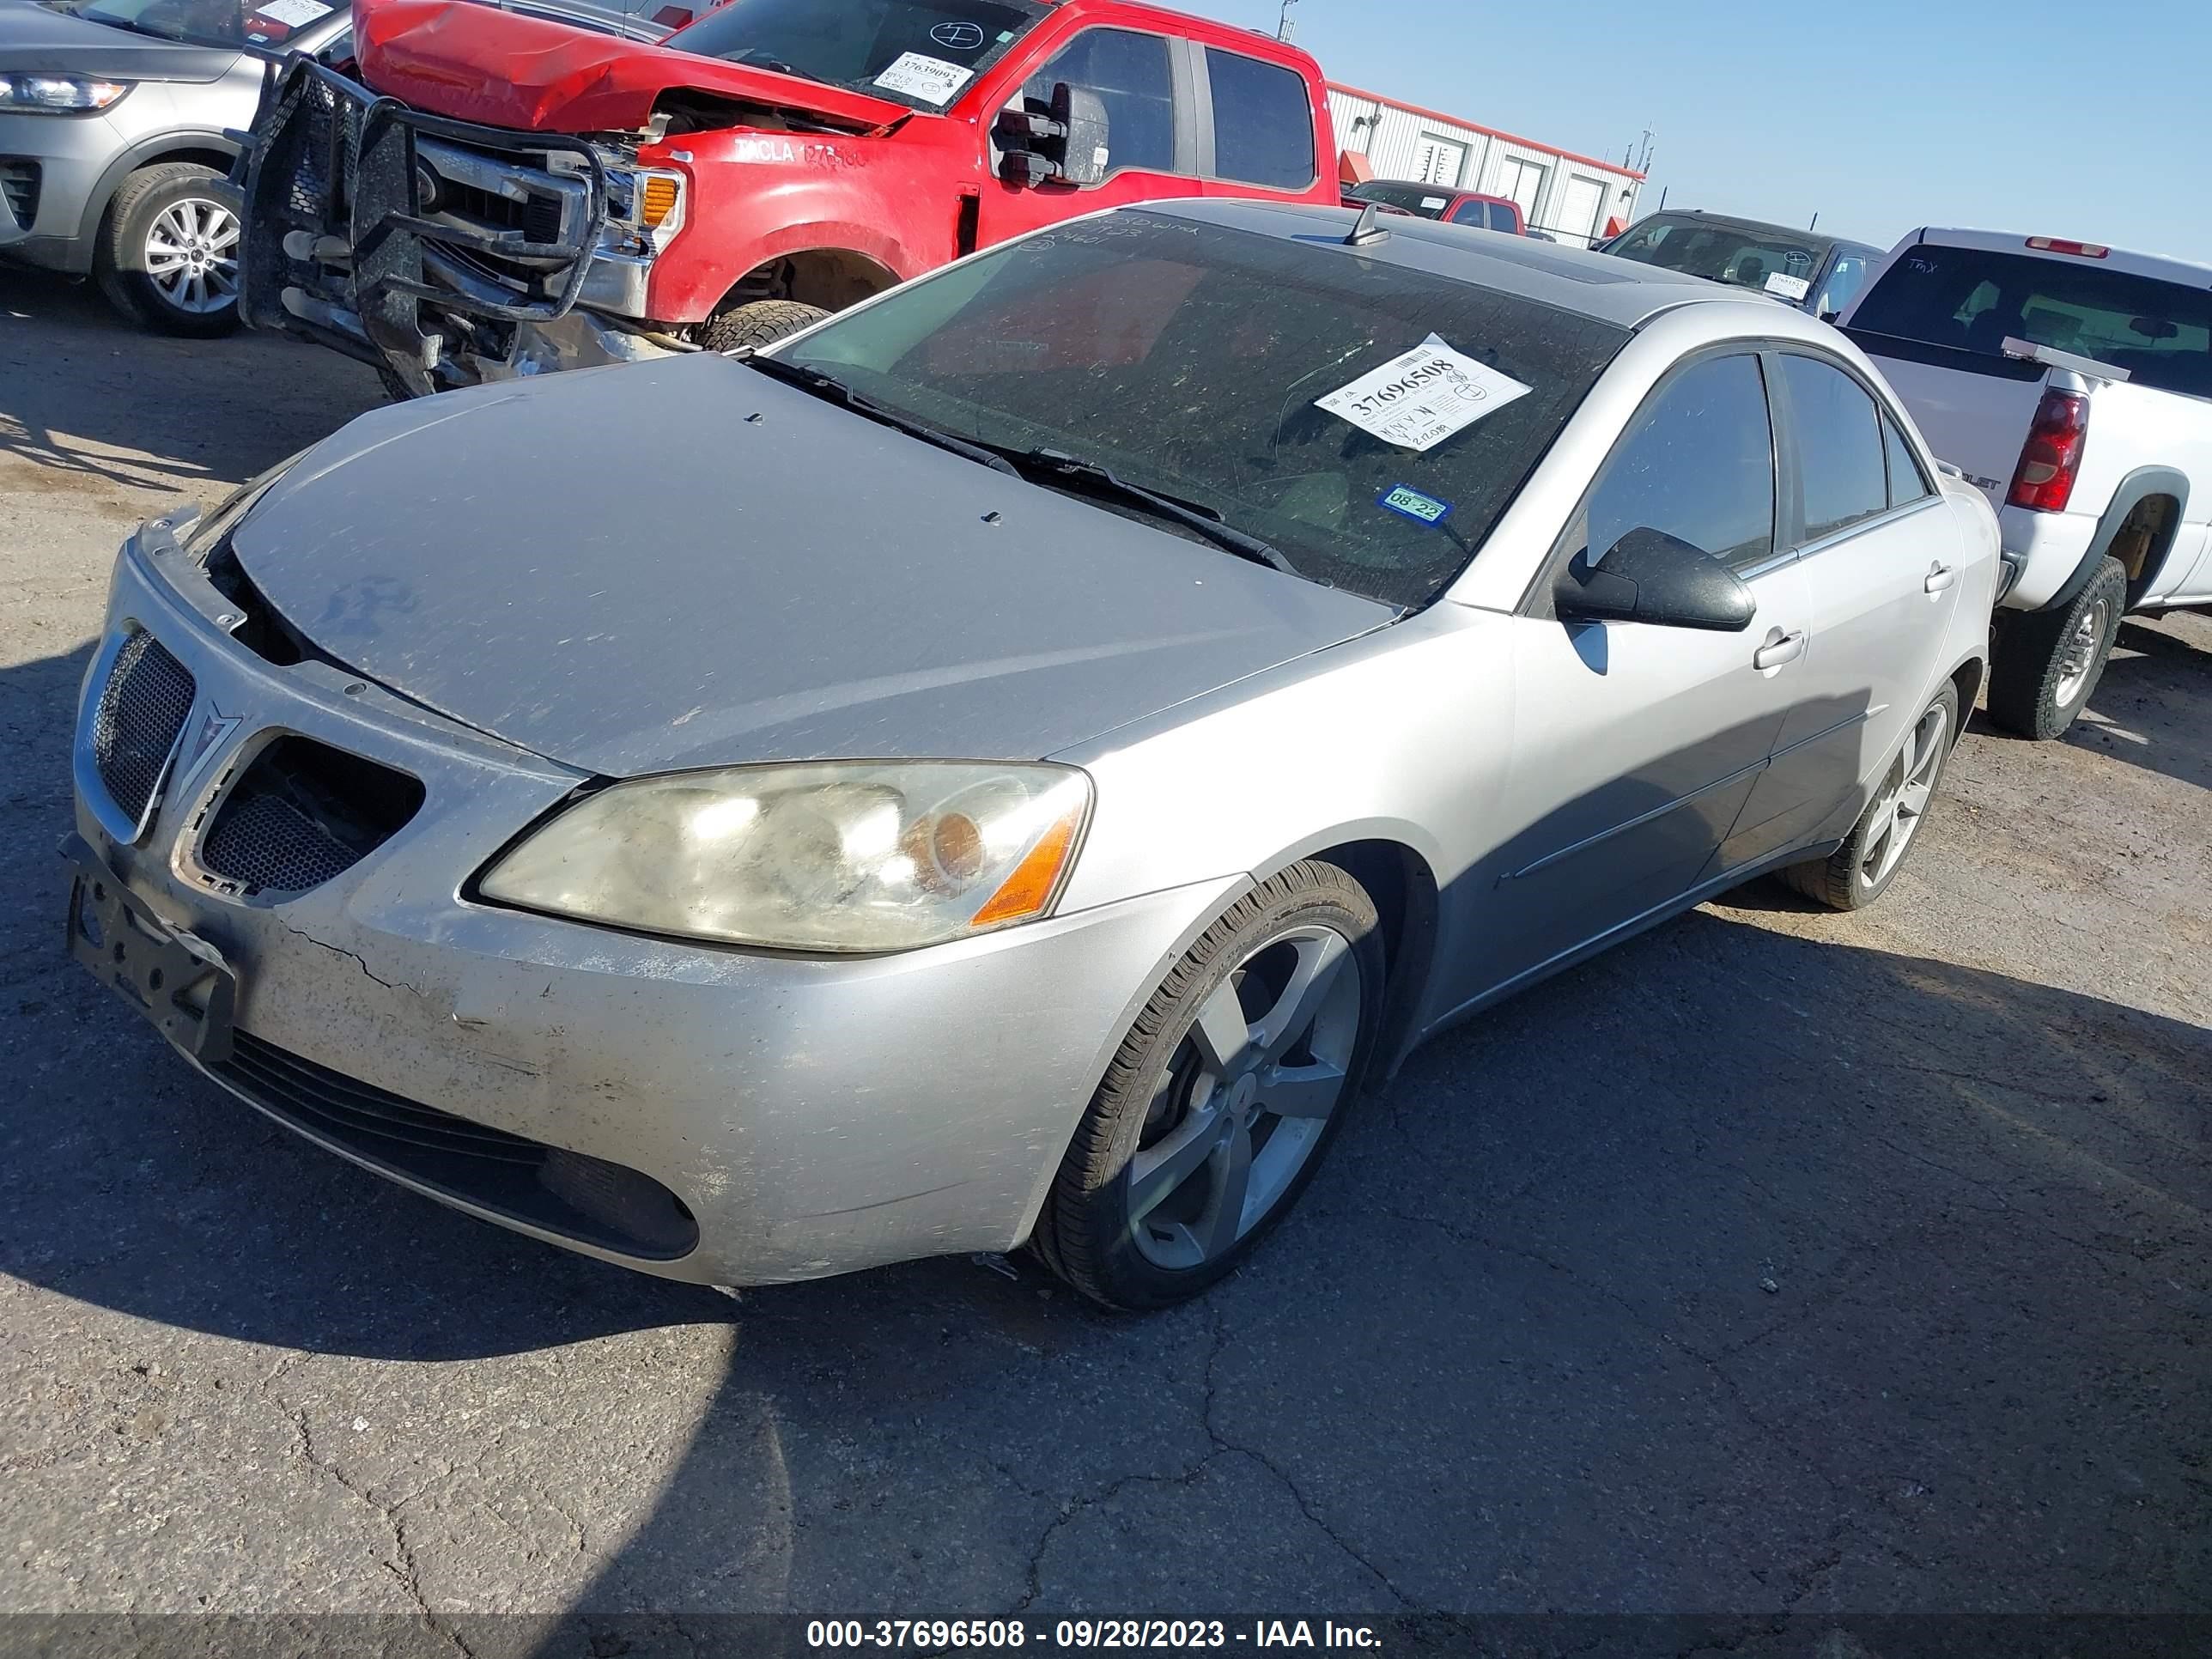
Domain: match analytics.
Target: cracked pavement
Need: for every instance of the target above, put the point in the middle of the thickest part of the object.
(1776, 1262)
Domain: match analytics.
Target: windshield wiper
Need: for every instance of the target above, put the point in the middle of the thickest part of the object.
(1192, 515)
(832, 389)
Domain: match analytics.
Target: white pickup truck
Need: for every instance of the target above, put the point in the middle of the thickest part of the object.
(2072, 383)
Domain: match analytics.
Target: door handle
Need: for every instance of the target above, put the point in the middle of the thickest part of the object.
(1940, 576)
(1780, 648)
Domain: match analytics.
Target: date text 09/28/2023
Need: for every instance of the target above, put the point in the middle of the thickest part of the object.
(937, 1634)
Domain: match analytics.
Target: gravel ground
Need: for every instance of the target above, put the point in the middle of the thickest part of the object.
(1776, 1262)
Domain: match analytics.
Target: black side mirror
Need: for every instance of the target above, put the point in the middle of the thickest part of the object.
(1649, 576)
(1067, 140)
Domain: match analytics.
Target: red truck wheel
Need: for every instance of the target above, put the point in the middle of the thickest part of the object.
(762, 323)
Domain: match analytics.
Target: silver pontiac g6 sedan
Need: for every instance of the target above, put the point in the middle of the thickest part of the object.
(1009, 763)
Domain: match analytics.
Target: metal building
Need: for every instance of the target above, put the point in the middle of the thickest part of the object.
(1574, 197)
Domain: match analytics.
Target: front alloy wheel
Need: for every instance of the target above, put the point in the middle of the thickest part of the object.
(191, 254)
(167, 256)
(1222, 1100)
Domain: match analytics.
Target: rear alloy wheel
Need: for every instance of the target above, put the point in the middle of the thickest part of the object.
(1221, 1102)
(168, 250)
(2047, 662)
(1861, 869)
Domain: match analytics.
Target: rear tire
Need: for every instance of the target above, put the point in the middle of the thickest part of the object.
(1860, 870)
(1224, 1097)
(2047, 662)
(763, 322)
(166, 257)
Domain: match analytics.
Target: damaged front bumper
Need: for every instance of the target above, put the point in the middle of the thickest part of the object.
(720, 1115)
(446, 253)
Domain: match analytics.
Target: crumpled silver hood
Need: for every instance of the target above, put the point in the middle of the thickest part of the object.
(619, 570)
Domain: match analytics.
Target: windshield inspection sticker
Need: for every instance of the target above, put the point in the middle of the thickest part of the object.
(1786, 287)
(292, 13)
(930, 79)
(1420, 397)
(1408, 502)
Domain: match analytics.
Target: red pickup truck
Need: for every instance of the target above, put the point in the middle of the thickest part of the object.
(488, 194)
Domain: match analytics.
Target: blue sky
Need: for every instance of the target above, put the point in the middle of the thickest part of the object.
(2086, 121)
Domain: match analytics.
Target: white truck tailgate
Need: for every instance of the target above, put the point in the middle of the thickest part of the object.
(1976, 422)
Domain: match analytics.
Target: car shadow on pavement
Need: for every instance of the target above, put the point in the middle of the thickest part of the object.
(1734, 1270)
(91, 402)
(2149, 706)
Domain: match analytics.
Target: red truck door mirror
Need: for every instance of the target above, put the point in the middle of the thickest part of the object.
(1067, 140)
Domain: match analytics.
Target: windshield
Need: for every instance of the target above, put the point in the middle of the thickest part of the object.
(1767, 261)
(1969, 300)
(212, 22)
(920, 52)
(1193, 361)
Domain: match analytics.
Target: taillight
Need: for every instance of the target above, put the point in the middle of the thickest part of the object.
(2059, 245)
(2044, 482)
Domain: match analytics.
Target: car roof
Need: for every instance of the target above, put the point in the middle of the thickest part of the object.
(1762, 226)
(1597, 285)
(2158, 266)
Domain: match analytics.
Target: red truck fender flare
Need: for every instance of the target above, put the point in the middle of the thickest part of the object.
(889, 258)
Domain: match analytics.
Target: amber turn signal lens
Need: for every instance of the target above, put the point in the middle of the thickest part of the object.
(657, 202)
(1036, 878)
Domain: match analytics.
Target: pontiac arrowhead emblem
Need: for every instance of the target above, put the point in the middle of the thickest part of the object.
(209, 735)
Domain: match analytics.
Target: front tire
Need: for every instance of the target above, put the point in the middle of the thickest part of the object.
(763, 322)
(2047, 662)
(1223, 1098)
(1860, 870)
(167, 253)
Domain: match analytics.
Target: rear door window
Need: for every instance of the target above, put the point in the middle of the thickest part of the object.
(1263, 128)
(1502, 217)
(1697, 462)
(1839, 446)
(1907, 482)
(1131, 74)
(1972, 301)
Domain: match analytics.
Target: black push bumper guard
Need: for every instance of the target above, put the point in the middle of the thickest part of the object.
(337, 247)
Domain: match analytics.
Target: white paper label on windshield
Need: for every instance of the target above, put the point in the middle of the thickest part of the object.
(932, 79)
(292, 13)
(1786, 287)
(1419, 399)
(1433, 201)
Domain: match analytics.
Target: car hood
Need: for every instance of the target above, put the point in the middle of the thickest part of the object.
(475, 63)
(35, 38)
(686, 563)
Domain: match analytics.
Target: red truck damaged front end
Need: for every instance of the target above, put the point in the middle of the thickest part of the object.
(481, 194)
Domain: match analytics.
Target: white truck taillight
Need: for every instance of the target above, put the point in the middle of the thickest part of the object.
(2051, 456)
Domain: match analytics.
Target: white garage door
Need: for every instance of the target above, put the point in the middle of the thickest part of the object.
(1440, 161)
(1524, 182)
(1578, 212)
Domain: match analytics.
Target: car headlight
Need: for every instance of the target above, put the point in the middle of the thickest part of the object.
(59, 94)
(832, 856)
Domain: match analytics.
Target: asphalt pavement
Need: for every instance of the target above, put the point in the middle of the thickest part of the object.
(1777, 1262)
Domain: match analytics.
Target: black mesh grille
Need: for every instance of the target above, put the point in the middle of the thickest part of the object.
(140, 711)
(19, 183)
(302, 813)
(585, 1199)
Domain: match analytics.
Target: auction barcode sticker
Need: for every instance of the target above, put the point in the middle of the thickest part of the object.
(1420, 397)
(919, 75)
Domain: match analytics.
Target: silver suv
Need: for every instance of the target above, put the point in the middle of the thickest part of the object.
(114, 147)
